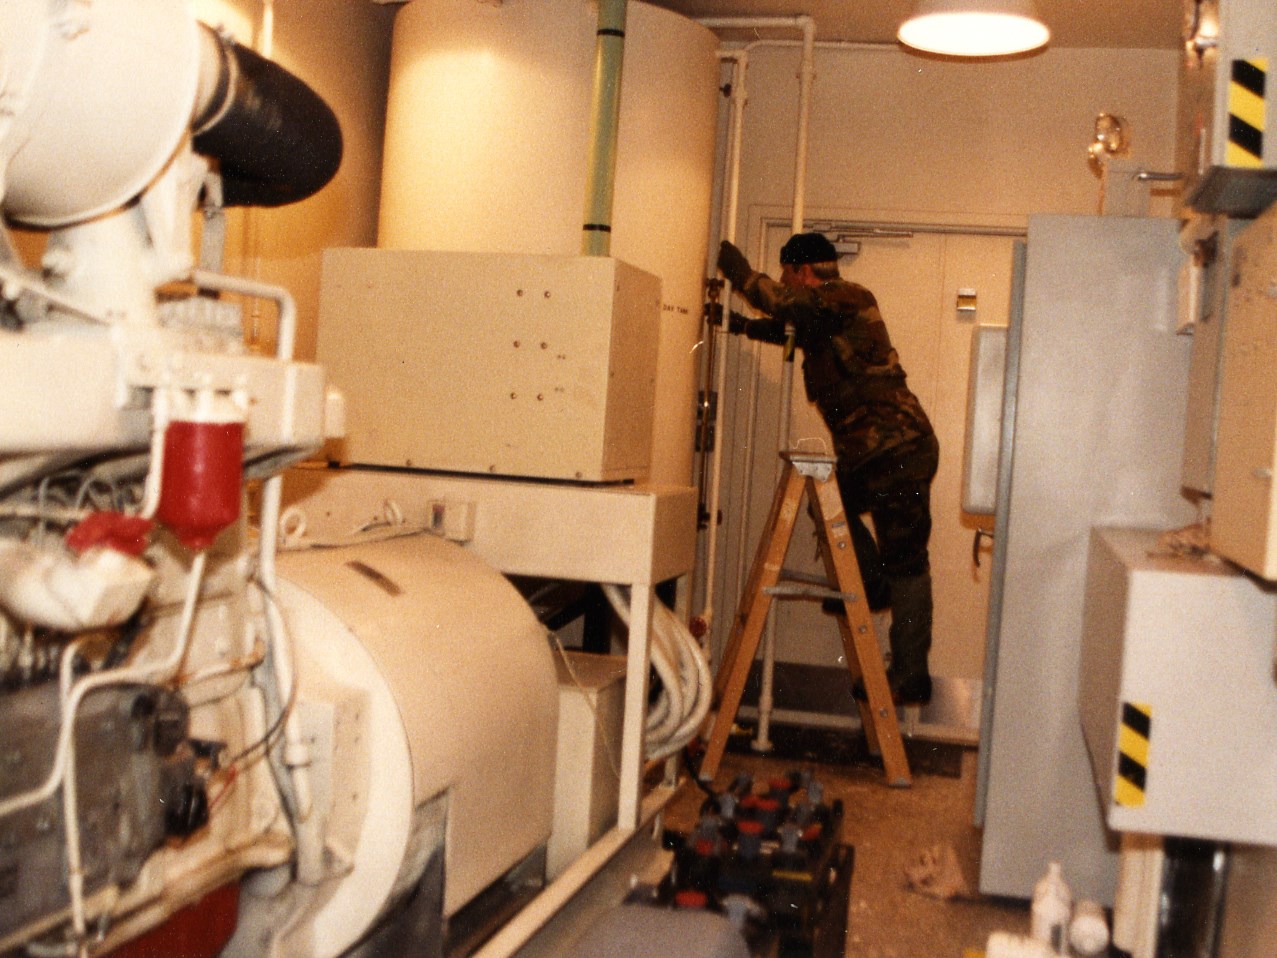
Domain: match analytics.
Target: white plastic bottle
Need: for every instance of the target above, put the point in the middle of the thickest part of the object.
(1089, 930)
(1051, 910)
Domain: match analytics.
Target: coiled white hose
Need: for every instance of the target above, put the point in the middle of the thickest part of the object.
(683, 666)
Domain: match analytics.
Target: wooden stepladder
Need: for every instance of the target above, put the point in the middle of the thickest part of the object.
(813, 474)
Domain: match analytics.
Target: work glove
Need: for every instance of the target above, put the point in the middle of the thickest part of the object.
(733, 265)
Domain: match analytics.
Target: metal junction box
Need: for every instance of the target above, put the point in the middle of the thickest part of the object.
(515, 365)
(1176, 692)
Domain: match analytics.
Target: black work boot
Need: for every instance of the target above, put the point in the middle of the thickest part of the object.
(911, 614)
(905, 690)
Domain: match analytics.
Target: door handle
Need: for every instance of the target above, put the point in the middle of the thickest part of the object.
(975, 545)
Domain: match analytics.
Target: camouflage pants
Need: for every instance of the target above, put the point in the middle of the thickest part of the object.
(895, 490)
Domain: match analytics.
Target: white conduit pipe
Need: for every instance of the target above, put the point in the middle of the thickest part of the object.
(669, 712)
(286, 333)
(253, 215)
(159, 430)
(806, 75)
(743, 552)
(685, 674)
(718, 371)
(695, 664)
(296, 752)
(695, 675)
(751, 425)
(762, 23)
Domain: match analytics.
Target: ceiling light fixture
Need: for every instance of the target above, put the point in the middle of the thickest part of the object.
(974, 28)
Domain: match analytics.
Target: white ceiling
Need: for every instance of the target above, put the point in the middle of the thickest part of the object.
(1073, 23)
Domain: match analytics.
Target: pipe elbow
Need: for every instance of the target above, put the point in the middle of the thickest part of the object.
(274, 138)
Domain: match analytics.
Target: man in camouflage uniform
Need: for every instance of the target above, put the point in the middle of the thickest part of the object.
(886, 449)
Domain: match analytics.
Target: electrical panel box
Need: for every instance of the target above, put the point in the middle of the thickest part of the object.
(1228, 125)
(1176, 691)
(504, 364)
(1244, 512)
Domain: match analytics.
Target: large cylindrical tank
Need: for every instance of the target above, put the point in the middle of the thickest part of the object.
(487, 148)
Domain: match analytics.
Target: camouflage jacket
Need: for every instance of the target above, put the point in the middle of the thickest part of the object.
(851, 370)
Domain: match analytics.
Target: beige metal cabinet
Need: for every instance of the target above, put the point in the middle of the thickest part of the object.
(1242, 525)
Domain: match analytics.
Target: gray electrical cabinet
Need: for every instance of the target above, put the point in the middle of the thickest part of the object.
(1096, 381)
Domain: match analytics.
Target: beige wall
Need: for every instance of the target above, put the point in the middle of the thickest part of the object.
(901, 138)
(907, 135)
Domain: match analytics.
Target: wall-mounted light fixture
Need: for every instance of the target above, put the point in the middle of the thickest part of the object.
(1111, 139)
(974, 28)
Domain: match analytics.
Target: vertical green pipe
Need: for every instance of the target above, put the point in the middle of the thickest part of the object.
(596, 238)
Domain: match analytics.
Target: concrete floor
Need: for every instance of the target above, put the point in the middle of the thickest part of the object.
(890, 830)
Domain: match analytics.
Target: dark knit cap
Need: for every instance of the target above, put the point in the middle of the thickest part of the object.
(808, 248)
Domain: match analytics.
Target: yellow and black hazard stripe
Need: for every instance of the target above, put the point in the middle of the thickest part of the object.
(1246, 112)
(1132, 759)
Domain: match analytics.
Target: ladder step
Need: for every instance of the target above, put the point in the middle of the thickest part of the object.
(787, 587)
(811, 578)
(787, 590)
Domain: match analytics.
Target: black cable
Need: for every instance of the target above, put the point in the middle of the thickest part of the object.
(268, 739)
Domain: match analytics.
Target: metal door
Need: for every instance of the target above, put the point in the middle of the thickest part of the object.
(933, 284)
